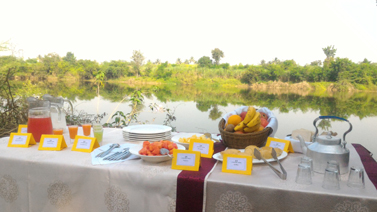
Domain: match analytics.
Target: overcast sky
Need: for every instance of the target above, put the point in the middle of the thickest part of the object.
(247, 31)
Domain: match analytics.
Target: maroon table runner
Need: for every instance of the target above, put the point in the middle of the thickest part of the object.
(190, 184)
(370, 165)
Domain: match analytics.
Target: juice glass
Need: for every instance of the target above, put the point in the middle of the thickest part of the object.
(99, 135)
(86, 129)
(73, 132)
(58, 131)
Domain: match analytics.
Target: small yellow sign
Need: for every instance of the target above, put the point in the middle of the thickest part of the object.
(237, 164)
(84, 144)
(282, 144)
(186, 160)
(52, 142)
(22, 128)
(205, 147)
(23, 140)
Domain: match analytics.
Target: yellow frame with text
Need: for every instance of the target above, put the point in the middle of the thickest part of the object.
(188, 168)
(60, 145)
(29, 140)
(93, 145)
(249, 164)
(210, 148)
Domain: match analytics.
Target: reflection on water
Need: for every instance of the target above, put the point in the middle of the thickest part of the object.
(199, 109)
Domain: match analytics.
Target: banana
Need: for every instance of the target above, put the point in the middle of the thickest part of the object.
(239, 126)
(251, 129)
(255, 120)
(250, 114)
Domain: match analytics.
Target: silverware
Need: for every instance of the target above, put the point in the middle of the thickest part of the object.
(259, 157)
(273, 153)
(119, 155)
(164, 151)
(103, 154)
(208, 135)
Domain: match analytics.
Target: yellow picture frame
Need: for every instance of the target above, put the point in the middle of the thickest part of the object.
(237, 164)
(81, 141)
(205, 147)
(22, 128)
(186, 160)
(21, 140)
(278, 143)
(54, 139)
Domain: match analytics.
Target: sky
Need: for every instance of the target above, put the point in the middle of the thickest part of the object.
(247, 31)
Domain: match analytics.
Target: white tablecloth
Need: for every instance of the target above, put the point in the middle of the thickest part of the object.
(263, 190)
(32, 180)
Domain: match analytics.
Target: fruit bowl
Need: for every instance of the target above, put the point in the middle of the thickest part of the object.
(241, 141)
(153, 159)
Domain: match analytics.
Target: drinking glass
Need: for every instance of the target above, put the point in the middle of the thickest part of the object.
(331, 179)
(98, 133)
(356, 177)
(308, 161)
(304, 174)
(73, 132)
(333, 164)
(86, 128)
(58, 131)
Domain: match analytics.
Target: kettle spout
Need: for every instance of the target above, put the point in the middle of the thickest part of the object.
(304, 146)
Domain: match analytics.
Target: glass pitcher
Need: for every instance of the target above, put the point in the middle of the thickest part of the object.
(57, 113)
(39, 118)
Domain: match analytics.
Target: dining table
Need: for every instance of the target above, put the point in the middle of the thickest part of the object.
(66, 180)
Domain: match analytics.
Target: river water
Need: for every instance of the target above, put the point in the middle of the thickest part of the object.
(192, 116)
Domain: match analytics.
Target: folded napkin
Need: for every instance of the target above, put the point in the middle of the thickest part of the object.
(97, 161)
(272, 121)
(306, 134)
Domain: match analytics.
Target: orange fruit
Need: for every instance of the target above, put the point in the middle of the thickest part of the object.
(260, 128)
(234, 119)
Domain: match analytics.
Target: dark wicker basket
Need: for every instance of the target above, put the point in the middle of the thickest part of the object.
(241, 141)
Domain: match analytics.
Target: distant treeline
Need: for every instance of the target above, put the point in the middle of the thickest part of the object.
(330, 70)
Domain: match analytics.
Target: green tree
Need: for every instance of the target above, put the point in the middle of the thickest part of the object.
(366, 61)
(217, 54)
(4, 46)
(205, 61)
(137, 60)
(178, 61)
(316, 63)
(70, 58)
(329, 51)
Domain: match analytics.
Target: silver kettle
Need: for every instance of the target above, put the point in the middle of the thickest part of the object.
(327, 147)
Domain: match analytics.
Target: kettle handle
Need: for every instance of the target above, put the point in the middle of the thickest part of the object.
(333, 117)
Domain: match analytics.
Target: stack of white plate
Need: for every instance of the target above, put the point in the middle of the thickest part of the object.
(147, 132)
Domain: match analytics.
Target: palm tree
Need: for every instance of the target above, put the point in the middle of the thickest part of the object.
(192, 60)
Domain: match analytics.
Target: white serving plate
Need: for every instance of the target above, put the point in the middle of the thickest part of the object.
(147, 129)
(154, 159)
(147, 139)
(219, 157)
(149, 134)
(176, 138)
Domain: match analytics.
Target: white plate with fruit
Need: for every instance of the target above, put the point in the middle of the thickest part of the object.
(135, 150)
(184, 138)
